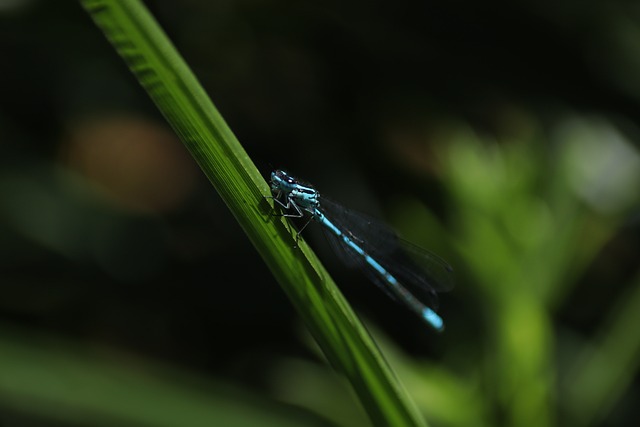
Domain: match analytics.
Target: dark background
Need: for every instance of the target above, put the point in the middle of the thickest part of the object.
(110, 234)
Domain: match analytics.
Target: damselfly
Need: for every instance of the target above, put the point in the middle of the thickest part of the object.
(392, 263)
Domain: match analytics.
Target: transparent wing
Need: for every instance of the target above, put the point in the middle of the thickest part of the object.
(421, 271)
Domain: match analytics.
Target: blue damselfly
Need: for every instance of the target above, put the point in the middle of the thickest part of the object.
(392, 263)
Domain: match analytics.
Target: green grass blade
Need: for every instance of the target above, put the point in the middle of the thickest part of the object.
(169, 82)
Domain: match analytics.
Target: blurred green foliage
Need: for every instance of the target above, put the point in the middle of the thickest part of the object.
(502, 136)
